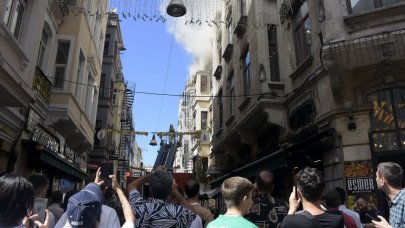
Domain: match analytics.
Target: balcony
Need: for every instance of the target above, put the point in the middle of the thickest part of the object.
(227, 55)
(41, 85)
(218, 72)
(241, 26)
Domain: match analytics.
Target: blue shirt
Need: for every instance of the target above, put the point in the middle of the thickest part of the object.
(397, 210)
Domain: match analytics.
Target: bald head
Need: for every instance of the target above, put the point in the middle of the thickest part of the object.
(265, 181)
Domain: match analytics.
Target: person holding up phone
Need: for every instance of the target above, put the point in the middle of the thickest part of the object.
(126, 207)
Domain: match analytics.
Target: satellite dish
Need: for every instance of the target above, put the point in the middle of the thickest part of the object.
(101, 134)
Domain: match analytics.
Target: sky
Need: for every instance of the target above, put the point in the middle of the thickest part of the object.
(159, 57)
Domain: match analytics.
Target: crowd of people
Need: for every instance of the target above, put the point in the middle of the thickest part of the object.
(310, 204)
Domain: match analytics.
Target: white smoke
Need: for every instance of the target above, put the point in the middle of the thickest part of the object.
(196, 37)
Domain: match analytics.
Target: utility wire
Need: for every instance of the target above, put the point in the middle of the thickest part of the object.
(171, 94)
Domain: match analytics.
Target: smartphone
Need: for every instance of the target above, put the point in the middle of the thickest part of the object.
(295, 171)
(373, 217)
(39, 208)
(106, 171)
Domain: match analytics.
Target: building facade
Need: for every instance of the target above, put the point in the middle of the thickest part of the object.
(58, 48)
(299, 83)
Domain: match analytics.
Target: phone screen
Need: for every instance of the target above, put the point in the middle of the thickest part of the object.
(373, 217)
(106, 171)
(39, 208)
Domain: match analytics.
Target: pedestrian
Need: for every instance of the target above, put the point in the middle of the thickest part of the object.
(192, 188)
(389, 178)
(366, 210)
(40, 184)
(108, 217)
(267, 211)
(344, 209)
(126, 207)
(332, 203)
(308, 191)
(237, 194)
(68, 194)
(55, 202)
(17, 203)
(158, 212)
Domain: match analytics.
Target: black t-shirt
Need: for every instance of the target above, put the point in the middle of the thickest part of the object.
(324, 220)
(267, 211)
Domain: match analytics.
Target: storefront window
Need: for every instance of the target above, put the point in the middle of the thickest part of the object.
(387, 118)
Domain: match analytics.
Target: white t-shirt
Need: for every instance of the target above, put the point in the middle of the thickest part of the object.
(128, 224)
(108, 219)
(197, 222)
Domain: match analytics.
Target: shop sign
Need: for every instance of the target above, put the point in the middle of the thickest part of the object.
(359, 177)
(45, 139)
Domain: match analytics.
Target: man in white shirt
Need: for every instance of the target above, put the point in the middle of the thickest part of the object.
(346, 210)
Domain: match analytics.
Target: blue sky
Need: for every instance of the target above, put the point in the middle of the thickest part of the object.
(145, 62)
(159, 58)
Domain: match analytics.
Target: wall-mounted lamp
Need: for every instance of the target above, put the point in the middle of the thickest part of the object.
(348, 106)
(153, 141)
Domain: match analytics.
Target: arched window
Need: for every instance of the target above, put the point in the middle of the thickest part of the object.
(387, 118)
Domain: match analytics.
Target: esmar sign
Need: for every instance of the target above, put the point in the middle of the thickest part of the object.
(360, 185)
(359, 177)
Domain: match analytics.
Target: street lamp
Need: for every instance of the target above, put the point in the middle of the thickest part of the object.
(153, 141)
(176, 8)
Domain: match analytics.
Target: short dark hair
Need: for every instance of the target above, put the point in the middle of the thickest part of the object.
(342, 194)
(265, 184)
(234, 189)
(310, 183)
(192, 188)
(392, 173)
(39, 182)
(332, 198)
(56, 197)
(67, 197)
(16, 199)
(160, 184)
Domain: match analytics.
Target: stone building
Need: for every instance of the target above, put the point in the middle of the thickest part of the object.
(308, 83)
(56, 49)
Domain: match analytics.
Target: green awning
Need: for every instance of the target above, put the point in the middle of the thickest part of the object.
(61, 164)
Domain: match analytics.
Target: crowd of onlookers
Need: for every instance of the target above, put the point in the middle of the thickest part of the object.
(23, 203)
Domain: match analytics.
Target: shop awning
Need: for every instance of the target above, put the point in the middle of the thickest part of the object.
(57, 162)
(272, 161)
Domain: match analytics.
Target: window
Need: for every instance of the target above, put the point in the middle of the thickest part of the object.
(273, 53)
(61, 63)
(204, 84)
(204, 116)
(243, 7)
(114, 98)
(42, 48)
(387, 118)
(102, 85)
(231, 89)
(89, 95)
(302, 33)
(221, 108)
(13, 15)
(106, 44)
(357, 6)
(246, 74)
(79, 77)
